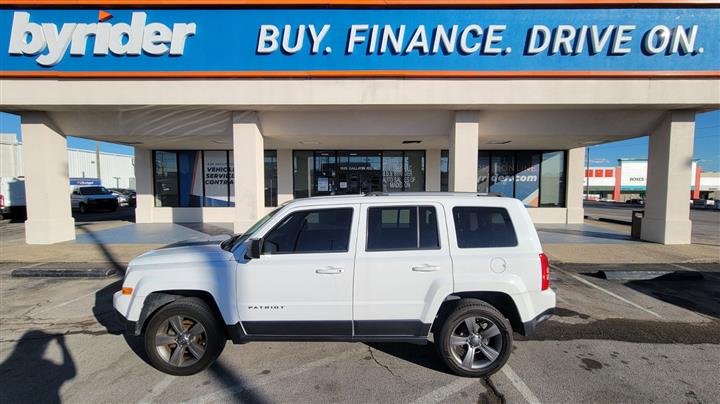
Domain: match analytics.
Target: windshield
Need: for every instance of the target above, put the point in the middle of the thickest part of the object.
(239, 238)
(94, 191)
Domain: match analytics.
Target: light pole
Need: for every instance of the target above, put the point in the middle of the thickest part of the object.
(587, 172)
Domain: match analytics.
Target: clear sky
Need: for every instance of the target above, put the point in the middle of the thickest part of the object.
(11, 124)
(707, 143)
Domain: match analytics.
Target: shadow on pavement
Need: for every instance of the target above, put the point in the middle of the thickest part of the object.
(235, 385)
(422, 355)
(28, 377)
(701, 295)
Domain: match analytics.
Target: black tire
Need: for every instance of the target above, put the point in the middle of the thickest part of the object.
(82, 208)
(484, 315)
(192, 311)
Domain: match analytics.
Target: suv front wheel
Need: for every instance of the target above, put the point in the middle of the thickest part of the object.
(475, 340)
(184, 337)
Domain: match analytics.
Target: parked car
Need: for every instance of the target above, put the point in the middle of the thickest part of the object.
(126, 197)
(93, 198)
(467, 269)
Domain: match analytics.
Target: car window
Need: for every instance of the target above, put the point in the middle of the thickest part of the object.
(311, 231)
(402, 228)
(94, 191)
(482, 227)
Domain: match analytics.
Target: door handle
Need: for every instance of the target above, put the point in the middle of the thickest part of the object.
(426, 268)
(329, 271)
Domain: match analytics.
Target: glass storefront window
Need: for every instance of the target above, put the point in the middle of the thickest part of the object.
(414, 171)
(444, 166)
(502, 166)
(392, 171)
(166, 178)
(189, 169)
(217, 187)
(527, 179)
(552, 179)
(483, 175)
(325, 169)
(357, 171)
(270, 178)
(197, 178)
(537, 178)
(302, 173)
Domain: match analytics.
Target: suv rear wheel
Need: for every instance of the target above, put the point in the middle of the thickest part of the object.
(184, 337)
(475, 340)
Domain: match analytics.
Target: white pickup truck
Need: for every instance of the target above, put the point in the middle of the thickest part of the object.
(462, 270)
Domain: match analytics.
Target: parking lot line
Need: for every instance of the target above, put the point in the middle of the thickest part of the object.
(442, 393)
(622, 299)
(530, 397)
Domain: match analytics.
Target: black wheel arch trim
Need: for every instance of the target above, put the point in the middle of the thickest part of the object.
(155, 300)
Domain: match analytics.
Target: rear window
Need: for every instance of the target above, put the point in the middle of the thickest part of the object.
(402, 228)
(483, 227)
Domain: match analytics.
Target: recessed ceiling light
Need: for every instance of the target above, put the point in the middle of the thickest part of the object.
(411, 141)
(498, 142)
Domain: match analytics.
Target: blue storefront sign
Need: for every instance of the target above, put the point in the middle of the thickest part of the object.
(264, 42)
(76, 182)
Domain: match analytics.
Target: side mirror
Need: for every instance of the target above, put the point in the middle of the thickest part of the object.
(255, 248)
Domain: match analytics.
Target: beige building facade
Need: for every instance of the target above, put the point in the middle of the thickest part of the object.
(228, 149)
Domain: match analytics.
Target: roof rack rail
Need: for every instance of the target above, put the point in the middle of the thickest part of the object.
(376, 193)
(497, 194)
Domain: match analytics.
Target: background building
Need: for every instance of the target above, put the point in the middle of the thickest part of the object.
(629, 181)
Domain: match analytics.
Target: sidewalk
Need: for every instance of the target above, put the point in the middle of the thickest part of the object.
(119, 241)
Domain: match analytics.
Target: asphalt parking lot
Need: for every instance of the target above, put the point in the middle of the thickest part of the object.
(610, 341)
(705, 222)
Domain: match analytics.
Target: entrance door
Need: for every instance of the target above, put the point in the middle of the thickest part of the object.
(359, 172)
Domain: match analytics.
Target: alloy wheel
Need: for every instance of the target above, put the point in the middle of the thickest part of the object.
(181, 340)
(476, 342)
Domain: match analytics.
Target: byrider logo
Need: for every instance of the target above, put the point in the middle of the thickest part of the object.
(29, 38)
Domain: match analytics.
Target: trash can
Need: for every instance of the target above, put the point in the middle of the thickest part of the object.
(635, 229)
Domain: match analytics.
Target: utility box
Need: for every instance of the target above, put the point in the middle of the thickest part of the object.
(636, 228)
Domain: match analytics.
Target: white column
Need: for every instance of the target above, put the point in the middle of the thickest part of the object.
(144, 186)
(462, 170)
(285, 175)
(670, 152)
(47, 184)
(574, 185)
(249, 169)
(432, 170)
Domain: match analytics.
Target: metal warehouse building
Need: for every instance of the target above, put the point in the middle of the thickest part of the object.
(237, 106)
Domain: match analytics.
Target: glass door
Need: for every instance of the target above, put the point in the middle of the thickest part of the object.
(359, 172)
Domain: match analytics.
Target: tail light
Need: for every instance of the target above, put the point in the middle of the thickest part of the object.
(2, 201)
(545, 270)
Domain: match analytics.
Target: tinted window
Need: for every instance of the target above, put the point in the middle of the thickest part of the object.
(479, 227)
(326, 230)
(94, 191)
(402, 228)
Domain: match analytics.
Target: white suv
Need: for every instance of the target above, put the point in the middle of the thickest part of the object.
(467, 269)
